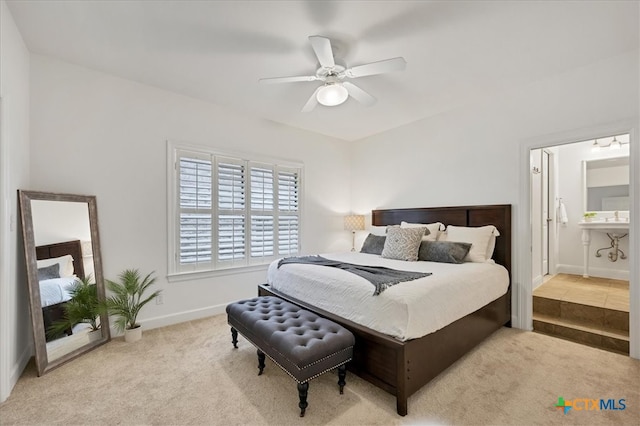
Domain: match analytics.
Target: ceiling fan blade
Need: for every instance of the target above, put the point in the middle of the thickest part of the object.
(322, 47)
(289, 79)
(312, 102)
(373, 68)
(358, 94)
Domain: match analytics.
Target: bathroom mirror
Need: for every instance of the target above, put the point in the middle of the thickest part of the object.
(606, 184)
(64, 274)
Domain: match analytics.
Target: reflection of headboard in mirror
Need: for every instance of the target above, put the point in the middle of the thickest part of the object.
(74, 248)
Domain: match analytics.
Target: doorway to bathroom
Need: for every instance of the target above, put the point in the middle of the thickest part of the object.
(580, 223)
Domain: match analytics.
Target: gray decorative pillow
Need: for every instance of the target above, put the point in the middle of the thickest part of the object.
(402, 243)
(49, 272)
(373, 244)
(443, 251)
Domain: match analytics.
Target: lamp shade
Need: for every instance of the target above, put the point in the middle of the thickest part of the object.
(332, 94)
(354, 222)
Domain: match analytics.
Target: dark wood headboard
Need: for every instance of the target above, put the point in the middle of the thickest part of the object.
(74, 248)
(498, 215)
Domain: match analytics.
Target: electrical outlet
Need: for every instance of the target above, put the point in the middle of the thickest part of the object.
(159, 299)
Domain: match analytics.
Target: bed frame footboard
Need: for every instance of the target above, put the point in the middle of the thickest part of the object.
(402, 368)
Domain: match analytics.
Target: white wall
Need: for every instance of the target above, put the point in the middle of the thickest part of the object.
(570, 184)
(15, 335)
(59, 221)
(472, 155)
(101, 135)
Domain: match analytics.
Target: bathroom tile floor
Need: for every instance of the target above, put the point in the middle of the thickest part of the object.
(592, 291)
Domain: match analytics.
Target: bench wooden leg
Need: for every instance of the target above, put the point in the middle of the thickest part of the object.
(342, 374)
(303, 389)
(260, 361)
(234, 337)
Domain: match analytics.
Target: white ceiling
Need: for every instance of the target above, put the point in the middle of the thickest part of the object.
(457, 52)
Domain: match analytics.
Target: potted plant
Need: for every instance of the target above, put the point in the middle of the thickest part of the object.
(588, 216)
(127, 300)
(83, 307)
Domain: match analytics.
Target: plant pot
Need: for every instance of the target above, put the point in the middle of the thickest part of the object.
(132, 335)
(94, 335)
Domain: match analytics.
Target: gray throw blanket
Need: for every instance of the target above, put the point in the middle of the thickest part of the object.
(382, 278)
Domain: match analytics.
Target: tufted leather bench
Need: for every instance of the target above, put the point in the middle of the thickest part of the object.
(303, 344)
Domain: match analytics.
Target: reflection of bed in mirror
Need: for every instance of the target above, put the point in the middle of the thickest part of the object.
(54, 292)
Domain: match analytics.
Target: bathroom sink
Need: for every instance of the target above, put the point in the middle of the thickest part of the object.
(605, 226)
(615, 230)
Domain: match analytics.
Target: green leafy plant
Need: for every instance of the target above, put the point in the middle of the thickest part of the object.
(589, 215)
(128, 298)
(83, 307)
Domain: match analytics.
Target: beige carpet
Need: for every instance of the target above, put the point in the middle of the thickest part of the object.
(188, 374)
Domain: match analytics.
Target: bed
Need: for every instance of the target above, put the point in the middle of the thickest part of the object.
(403, 361)
(55, 292)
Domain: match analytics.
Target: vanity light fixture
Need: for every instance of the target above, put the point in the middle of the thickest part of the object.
(614, 143)
(332, 94)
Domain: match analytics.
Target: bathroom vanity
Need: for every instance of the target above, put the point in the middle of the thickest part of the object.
(616, 228)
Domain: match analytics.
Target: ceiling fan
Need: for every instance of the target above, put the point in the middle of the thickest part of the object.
(335, 90)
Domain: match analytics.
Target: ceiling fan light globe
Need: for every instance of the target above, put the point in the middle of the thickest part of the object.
(332, 94)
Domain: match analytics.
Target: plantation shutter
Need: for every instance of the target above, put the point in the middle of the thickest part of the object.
(228, 212)
(231, 196)
(195, 211)
(262, 232)
(288, 212)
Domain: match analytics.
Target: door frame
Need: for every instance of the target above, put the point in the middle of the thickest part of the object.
(553, 206)
(522, 294)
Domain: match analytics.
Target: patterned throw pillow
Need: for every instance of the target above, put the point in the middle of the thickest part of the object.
(443, 251)
(373, 244)
(49, 272)
(402, 243)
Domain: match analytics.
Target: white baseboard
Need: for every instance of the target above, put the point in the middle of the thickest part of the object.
(519, 306)
(613, 274)
(537, 282)
(177, 318)
(17, 369)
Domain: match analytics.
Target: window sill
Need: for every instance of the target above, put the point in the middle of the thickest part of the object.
(196, 275)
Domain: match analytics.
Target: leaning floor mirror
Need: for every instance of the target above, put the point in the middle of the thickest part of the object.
(64, 274)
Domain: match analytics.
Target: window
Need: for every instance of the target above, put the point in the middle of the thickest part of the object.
(228, 212)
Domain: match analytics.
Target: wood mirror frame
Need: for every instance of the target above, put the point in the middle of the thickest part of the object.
(43, 362)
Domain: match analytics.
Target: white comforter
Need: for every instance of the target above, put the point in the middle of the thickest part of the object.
(405, 311)
(56, 290)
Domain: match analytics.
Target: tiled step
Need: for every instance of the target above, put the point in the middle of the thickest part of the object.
(608, 339)
(590, 325)
(578, 314)
(593, 311)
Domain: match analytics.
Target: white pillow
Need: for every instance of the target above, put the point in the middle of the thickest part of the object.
(434, 229)
(66, 264)
(482, 240)
(378, 230)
